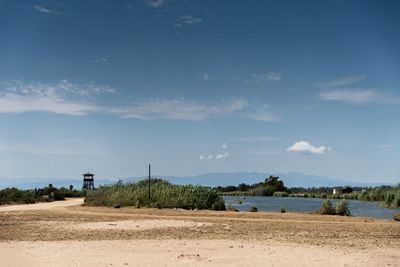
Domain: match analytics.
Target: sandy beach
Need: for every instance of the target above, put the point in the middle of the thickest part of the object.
(66, 234)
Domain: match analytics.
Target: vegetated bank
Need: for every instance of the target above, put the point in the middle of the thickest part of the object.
(162, 194)
(273, 186)
(46, 194)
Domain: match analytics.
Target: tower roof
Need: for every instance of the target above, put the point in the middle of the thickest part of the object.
(88, 174)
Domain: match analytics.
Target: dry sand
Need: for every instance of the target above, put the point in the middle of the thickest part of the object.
(63, 234)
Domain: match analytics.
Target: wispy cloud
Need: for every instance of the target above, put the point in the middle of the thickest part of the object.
(307, 147)
(63, 97)
(101, 60)
(69, 98)
(222, 155)
(268, 76)
(45, 10)
(179, 109)
(342, 81)
(359, 96)
(224, 146)
(262, 113)
(255, 139)
(347, 90)
(187, 20)
(155, 3)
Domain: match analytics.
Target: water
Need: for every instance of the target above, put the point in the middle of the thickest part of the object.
(291, 204)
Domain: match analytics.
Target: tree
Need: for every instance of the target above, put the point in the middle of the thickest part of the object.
(275, 183)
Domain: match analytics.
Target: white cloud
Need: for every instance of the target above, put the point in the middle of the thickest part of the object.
(305, 146)
(224, 146)
(359, 96)
(221, 156)
(343, 81)
(210, 157)
(46, 10)
(155, 3)
(206, 76)
(254, 139)
(179, 109)
(268, 76)
(63, 97)
(69, 98)
(201, 157)
(188, 20)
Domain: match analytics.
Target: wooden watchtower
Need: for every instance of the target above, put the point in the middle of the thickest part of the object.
(88, 181)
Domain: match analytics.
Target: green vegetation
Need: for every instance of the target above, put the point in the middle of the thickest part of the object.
(15, 196)
(48, 193)
(340, 209)
(270, 186)
(273, 186)
(280, 194)
(162, 195)
(326, 208)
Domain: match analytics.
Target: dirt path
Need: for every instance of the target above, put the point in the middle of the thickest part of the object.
(185, 253)
(43, 206)
(66, 234)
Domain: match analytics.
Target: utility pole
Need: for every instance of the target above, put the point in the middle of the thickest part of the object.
(149, 182)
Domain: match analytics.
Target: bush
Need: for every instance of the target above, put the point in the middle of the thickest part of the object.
(283, 210)
(163, 195)
(253, 209)
(342, 208)
(219, 205)
(327, 208)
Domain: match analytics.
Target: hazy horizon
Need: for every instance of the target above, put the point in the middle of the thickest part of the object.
(196, 87)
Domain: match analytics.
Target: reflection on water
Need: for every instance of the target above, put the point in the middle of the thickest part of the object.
(291, 204)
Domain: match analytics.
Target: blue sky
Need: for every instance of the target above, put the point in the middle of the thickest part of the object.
(200, 86)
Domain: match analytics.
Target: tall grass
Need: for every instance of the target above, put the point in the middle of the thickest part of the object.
(162, 195)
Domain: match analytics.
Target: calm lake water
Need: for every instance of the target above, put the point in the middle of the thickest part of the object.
(291, 204)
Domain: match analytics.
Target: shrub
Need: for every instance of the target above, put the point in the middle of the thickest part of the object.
(283, 210)
(327, 208)
(219, 205)
(162, 195)
(253, 209)
(342, 208)
(281, 194)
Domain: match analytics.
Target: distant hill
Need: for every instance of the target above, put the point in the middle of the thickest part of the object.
(293, 179)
